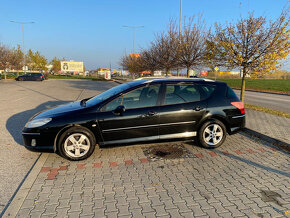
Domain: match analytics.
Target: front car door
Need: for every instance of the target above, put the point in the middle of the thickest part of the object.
(139, 121)
(181, 110)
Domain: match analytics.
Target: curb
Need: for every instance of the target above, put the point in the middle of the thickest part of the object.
(20, 195)
(276, 142)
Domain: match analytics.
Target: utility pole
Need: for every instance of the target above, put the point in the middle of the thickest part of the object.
(180, 18)
(133, 29)
(23, 48)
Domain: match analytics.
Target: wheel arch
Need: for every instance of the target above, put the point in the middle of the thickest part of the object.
(215, 117)
(60, 132)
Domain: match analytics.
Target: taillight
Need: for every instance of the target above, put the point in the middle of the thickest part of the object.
(239, 105)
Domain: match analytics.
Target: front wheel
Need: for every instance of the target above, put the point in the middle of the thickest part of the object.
(77, 143)
(212, 134)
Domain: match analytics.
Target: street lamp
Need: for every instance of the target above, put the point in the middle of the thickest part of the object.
(23, 49)
(133, 29)
(180, 17)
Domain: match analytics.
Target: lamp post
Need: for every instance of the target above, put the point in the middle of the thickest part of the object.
(180, 17)
(23, 48)
(133, 29)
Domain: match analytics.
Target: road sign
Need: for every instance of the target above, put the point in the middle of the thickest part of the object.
(216, 68)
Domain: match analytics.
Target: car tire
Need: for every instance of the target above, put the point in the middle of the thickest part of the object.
(20, 79)
(212, 134)
(76, 143)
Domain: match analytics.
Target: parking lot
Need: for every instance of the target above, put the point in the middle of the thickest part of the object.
(243, 178)
(20, 101)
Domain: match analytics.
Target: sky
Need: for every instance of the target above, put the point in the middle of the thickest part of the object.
(92, 30)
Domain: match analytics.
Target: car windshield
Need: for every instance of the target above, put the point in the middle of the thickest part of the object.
(107, 94)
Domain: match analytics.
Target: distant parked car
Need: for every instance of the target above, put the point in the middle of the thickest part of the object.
(138, 111)
(31, 77)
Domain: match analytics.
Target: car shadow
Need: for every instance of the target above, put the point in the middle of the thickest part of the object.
(99, 86)
(15, 123)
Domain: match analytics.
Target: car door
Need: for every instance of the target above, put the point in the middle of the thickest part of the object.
(139, 120)
(181, 109)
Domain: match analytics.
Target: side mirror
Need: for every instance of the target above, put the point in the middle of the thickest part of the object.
(119, 110)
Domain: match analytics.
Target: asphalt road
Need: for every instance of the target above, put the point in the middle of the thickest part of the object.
(268, 100)
(20, 101)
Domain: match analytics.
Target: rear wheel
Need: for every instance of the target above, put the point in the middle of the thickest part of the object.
(77, 143)
(212, 134)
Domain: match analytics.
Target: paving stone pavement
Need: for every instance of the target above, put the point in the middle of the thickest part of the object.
(270, 125)
(243, 178)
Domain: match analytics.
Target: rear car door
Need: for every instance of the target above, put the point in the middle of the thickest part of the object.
(181, 109)
(138, 122)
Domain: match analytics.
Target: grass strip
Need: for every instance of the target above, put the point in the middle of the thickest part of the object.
(267, 110)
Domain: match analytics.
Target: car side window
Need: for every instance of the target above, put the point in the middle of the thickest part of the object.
(138, 98)
(207, 90)
(181, 93)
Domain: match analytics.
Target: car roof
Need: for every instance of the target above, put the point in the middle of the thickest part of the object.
(171, 79)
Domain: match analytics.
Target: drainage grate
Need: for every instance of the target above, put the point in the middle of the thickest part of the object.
(165, 151)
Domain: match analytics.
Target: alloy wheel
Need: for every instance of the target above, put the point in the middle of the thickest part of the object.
(213, 134)
(77, 145)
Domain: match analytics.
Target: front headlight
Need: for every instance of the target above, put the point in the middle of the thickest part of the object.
(37, 122)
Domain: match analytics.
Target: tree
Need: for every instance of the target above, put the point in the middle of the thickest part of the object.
(132, 63)
(192, 47)
(252, 45)
(149, 59)
(56, 66)
(167, 45)
(36, 61)
(4, 58)
(16, 58)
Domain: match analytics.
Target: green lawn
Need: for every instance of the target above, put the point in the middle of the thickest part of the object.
(261, 84)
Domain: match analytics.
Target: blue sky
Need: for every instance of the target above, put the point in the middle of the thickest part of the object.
(91, 30)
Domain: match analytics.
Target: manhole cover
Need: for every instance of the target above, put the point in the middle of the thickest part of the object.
(167, 152)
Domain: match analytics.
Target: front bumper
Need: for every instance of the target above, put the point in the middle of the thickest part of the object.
(42, 141)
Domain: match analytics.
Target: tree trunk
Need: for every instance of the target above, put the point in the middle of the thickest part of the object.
(187, 71)
(243, 87)
(5, 77)
(133, 76)
(167, 72)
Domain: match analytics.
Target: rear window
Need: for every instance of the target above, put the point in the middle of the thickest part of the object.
(231, 93)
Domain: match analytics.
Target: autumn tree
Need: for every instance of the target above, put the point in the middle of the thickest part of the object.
(192, 39)
(132, 63)
(253, 45)
(36, 61)
(149, 59)
(16, 58)
(4, 58)
(56, 66)
(167, 44)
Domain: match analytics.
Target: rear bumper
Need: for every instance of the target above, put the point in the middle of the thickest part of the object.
(237, 123)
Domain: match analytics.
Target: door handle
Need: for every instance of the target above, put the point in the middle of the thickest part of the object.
(197, 108)
(151, 113)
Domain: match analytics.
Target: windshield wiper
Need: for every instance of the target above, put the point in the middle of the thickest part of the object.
(84, 101)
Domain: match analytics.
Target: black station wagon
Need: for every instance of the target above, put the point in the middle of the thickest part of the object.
(138, 111)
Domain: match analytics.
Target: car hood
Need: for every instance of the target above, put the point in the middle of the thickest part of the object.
(59, 110)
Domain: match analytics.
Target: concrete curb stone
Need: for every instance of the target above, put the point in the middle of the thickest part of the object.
(20, 196)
